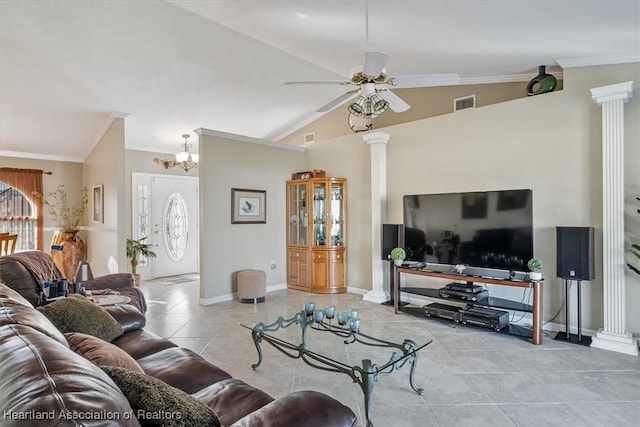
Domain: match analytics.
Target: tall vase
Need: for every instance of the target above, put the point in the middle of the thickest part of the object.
(72, 253)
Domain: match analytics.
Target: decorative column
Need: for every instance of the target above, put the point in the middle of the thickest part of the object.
(613, 336)
(378, 143)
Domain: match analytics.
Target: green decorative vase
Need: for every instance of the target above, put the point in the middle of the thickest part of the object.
(542, 83)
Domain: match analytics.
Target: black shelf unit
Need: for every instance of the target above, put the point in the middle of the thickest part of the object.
(513, 330)
(492, 302)
(534, 333)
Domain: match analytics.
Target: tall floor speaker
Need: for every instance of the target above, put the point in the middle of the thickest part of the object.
(392, 236)
(575, 259)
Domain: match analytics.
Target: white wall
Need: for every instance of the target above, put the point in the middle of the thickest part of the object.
(226, 248)
(550, 143)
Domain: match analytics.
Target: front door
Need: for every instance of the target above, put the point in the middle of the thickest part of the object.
(165, 211)
(174, 222)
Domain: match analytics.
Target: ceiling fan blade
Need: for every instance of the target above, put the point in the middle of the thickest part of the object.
(318, 82)
(425, 80)
(395, 102)
(374, 62)
(339, 100)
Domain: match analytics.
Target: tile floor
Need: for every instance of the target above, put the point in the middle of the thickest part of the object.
(471, 377)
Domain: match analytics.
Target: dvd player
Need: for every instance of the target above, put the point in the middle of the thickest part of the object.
(442, 310)
(464, 287)
(484, 317)
(464, 296)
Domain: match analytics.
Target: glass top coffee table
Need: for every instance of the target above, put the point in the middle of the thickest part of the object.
(333, 341)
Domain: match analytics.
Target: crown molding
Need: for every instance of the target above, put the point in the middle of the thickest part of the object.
(624, 58)
(40, 156)
(151, 150)
(251, 140)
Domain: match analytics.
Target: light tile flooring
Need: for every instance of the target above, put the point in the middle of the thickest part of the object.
(471, 377)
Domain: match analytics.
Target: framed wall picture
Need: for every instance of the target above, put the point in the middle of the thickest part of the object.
(97, 203)
(248, 206)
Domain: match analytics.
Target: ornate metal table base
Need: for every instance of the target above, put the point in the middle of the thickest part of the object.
(365, 375)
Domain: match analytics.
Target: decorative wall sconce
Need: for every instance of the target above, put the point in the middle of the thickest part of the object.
(184, 159)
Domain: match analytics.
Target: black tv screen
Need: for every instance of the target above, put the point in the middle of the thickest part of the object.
(489, 229)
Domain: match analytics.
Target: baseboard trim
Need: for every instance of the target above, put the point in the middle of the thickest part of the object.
(234, 296)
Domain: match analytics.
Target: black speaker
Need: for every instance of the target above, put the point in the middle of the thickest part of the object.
(575, 253)
(392, 236)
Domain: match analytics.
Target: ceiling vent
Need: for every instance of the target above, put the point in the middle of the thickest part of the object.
(309, 138)
(464, 103)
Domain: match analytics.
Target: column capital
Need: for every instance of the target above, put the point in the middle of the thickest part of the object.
(614, 92)
(376, 138)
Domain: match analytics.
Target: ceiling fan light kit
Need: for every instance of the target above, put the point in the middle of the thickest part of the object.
(359, 124)
(374, 96)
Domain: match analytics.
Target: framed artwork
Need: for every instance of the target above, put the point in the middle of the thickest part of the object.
(97, 204)
(248, 206)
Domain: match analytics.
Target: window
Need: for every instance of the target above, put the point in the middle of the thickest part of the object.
(17, 216)
(176, 227)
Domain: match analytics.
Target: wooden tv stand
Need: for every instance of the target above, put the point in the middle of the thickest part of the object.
(536, 307)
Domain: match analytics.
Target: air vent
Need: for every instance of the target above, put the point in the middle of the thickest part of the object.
(464, 103)
(310, 138)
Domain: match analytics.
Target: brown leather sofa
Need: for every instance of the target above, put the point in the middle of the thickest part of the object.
(25, 272)
(43, 378)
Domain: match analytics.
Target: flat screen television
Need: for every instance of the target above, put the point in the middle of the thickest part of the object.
(489, 229)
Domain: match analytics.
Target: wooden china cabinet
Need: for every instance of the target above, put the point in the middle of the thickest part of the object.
(316, 234)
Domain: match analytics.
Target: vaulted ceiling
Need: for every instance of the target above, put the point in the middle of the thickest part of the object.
(174, 66)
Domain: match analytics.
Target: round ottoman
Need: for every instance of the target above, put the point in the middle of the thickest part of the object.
(252, 286)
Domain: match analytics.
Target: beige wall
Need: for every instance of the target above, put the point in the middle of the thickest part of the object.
(105, 166)
(67, 173)
(226, 248)
(348, 157)
(425, 103)
(550, 143)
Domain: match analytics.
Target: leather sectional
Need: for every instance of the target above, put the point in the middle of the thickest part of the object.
(42, 376)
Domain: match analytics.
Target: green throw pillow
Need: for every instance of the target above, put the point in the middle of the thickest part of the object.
(78, 314)
(156, 403)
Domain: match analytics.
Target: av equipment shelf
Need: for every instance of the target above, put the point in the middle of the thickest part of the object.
(536, 308)
(489, 302)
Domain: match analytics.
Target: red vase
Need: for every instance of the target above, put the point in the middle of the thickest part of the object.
(72, 253)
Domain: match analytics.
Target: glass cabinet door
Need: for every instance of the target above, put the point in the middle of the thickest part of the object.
(297, 214)
(319, 214)
(337, 214)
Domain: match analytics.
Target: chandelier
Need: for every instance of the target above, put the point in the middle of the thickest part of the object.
(184, 159)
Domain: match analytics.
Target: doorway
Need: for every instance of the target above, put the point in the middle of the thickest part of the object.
(165, 210)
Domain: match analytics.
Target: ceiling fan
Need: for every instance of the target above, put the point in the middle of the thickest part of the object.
(374, 87)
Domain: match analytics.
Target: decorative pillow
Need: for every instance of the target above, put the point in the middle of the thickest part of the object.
(156, 403)
(100, 352)
(78, 314)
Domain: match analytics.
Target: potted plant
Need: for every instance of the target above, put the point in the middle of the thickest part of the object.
(398, 255)
(535, 267)
(136, 248)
